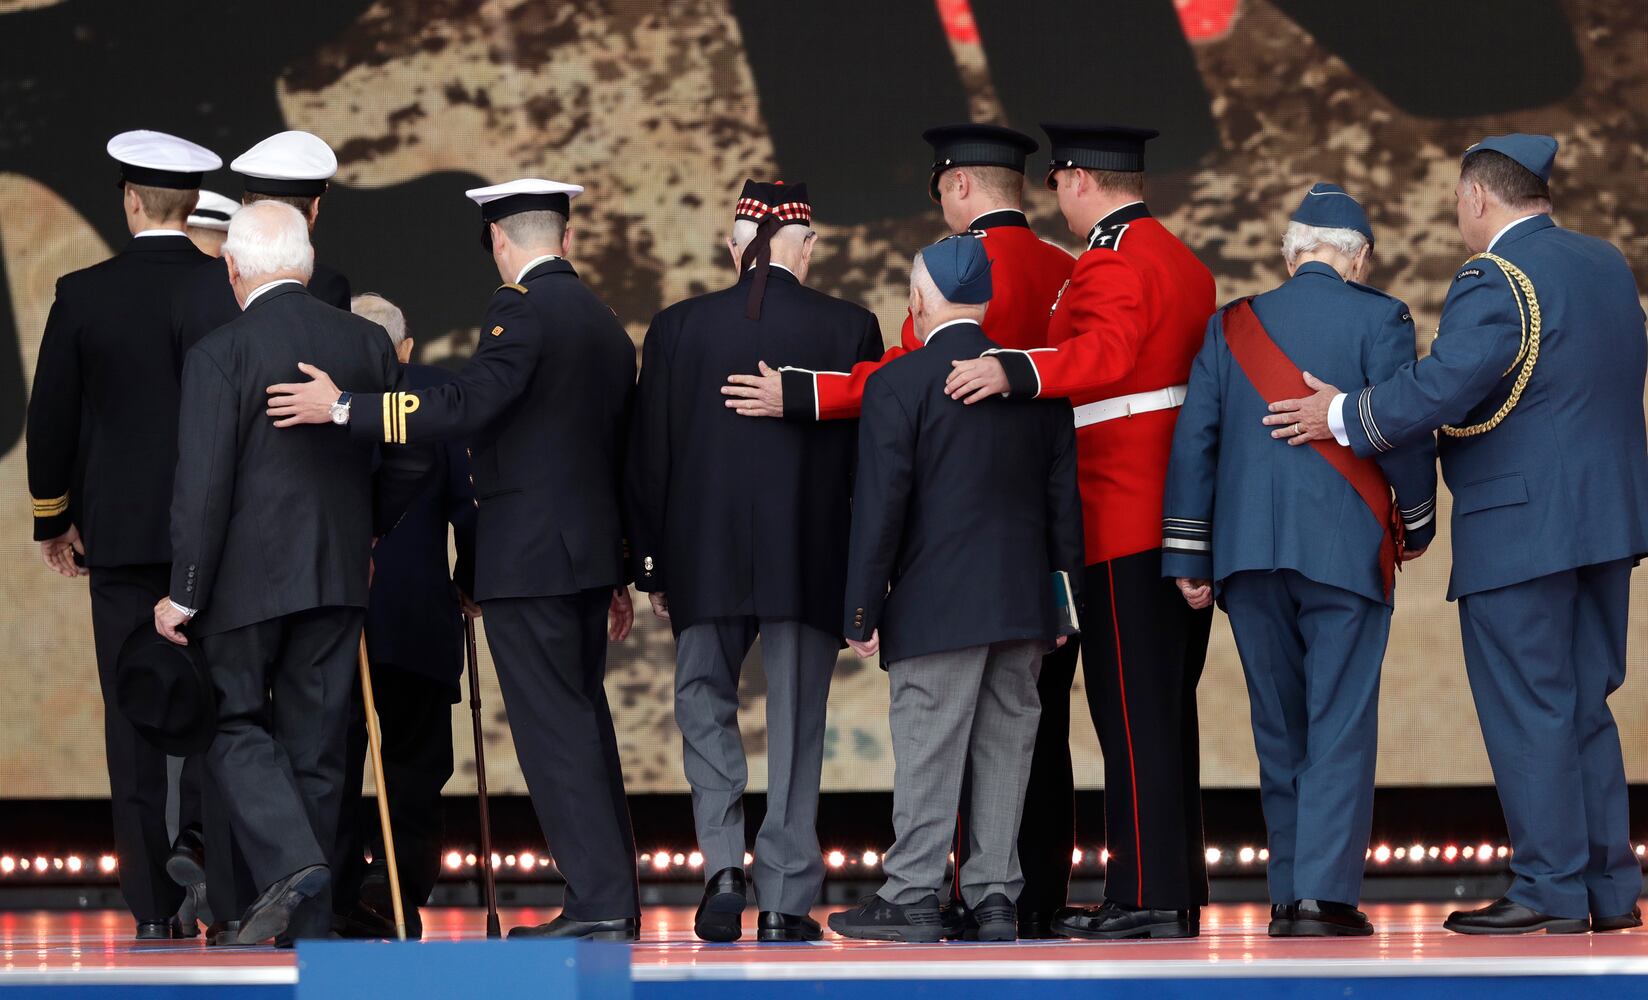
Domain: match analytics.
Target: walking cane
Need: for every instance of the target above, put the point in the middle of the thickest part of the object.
(374, 740)
(488, 879)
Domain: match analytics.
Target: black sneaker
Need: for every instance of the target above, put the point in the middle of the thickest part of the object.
(997, 919)
(875, 919)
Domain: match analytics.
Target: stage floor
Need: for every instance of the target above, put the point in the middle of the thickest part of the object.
(94, 947)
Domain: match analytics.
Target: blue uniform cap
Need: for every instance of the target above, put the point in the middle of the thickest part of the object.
(1329, 207)
(960, 268)
(1536, 153)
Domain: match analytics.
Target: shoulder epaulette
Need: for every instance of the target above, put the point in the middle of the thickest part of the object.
(1107, 237)
(512, 286)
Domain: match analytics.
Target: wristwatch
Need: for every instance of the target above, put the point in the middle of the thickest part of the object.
(340, 409)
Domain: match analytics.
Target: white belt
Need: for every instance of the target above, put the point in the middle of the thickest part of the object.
(1126, 406)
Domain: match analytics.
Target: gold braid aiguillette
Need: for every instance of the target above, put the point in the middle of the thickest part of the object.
(1522, 289)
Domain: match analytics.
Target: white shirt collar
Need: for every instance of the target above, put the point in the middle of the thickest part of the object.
(160, 232)
(1499, 235)
(534, 262)
(259, 290)
(774, 263)
(945, 326)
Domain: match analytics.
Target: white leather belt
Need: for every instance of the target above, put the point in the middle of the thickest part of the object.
(1127, 406)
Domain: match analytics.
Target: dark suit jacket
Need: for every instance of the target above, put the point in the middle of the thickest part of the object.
(205, 301)
(102, 429)
(270, 521)
(544, 404)
(413, 619)
(965, 510)
(729, 515)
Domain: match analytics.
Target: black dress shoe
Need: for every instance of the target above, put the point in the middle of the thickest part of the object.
(187, 863)
(773, 926)
(1505, 917)
(720, 915)
(271, 912)
(1325, 918)
(1114, 922)
(875, 919)
(158, 930)
(1281, 919)
(1036, 925)
(957, 920)
(364, 923)
(224, 934)
(997, 919)
(563, 926)
(1623, 922)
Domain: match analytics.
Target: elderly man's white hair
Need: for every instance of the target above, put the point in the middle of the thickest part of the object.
(383, 312)
(743, 230)
(923, 282)
(1302, 239)
(270, 238)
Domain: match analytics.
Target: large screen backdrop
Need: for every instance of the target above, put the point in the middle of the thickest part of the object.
(662, 110)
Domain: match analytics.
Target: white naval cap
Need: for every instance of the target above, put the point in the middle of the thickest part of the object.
(156, 159)
(213, 211)
(287, 163)
(529, 194)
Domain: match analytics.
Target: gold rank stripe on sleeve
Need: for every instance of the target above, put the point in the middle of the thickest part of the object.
(51, 508)
(397, 406)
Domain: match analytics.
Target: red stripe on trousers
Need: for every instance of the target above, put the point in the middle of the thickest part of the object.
(1127, 730)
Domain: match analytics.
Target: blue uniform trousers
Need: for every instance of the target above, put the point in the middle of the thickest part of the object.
(1543, 656)
(1311, 654)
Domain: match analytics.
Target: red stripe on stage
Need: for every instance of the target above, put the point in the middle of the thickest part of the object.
(1127, 730)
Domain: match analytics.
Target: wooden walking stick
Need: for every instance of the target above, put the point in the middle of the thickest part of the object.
(488, 879)
(374, 741)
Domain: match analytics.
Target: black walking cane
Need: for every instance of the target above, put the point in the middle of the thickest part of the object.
(488, 879)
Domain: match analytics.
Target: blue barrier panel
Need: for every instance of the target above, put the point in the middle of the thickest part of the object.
(497, 970)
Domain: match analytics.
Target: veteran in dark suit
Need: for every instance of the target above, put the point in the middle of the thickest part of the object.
(738, 528)
(1535, 380)
(102, 439)
(1302, 558)
(415, 640)
(271, 534)
(985, 494)
(544, 404)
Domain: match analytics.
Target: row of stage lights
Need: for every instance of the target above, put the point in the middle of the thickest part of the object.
(668, 864)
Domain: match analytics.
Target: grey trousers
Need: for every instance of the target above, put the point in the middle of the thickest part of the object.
(975, 706)
(798, 661)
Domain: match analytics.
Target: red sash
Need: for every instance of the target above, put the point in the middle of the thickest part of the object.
(1277, 377)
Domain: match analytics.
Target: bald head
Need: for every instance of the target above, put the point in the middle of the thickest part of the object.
(267, 241)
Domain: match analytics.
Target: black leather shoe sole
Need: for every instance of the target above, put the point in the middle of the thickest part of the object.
(271, 919)
(791, 935)
(1304, 927)
(1171, 930)
(183, 869)
(1281, 927)
(1603, 925)
(1550, 925)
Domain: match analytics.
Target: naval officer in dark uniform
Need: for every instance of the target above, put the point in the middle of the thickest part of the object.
(1535, 380)
(738, 528)
(272, 531)
(415, 640)
(1299, 544)
(545, 405)
(102, 440)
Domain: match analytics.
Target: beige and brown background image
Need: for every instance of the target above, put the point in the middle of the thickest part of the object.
(662, 109)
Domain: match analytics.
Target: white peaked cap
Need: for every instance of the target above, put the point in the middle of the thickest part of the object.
(213, 211)
(294, 163)
(161, 160)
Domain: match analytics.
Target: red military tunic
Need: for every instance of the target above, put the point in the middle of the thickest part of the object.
(1026, 273)
(1130, 321)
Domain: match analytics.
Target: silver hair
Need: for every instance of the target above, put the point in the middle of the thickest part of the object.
(1302, 239)
(383, 312)
(923, 282)
(267, 238)
(743, 230)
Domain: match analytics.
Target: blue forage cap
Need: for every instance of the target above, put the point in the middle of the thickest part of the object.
(960, 268)
(1535, 153)
(1329, 207)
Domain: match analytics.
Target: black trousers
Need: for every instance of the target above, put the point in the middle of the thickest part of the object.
(551, 655)
(277, 763)
(1143, 649)
(1047, 831)
(123, 597)
(415, 722)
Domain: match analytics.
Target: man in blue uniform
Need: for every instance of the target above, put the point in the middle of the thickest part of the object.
(1536, 382)
(1308, 596)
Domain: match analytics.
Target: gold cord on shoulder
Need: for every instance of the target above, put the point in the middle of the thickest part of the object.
(1522, 290)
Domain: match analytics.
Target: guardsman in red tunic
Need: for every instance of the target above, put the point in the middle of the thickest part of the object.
(1121, 342)
(978, 181)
